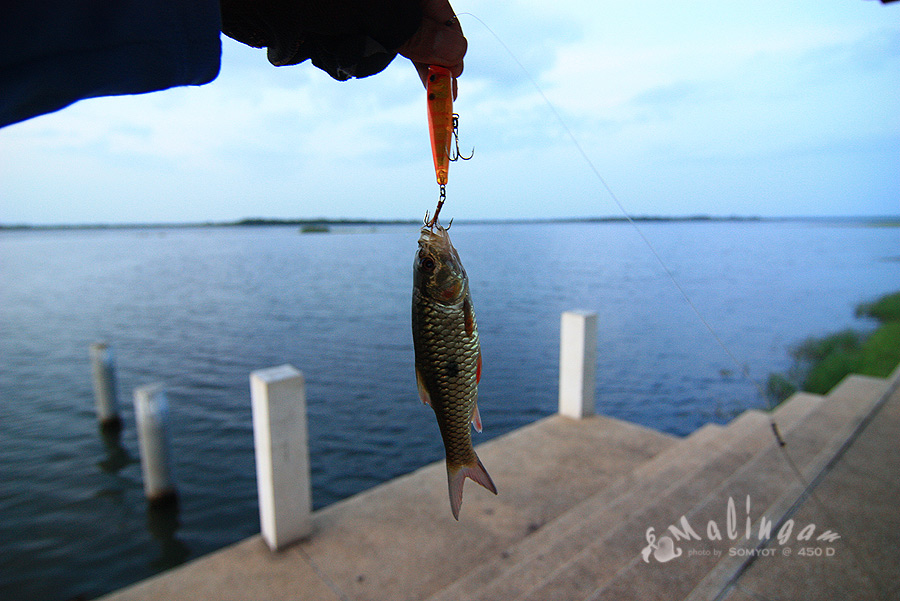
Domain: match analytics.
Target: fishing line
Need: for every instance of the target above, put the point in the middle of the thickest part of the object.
(322, 575)
(809, 485)
(744, 369)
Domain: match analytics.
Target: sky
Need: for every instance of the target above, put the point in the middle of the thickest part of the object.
(765, 108)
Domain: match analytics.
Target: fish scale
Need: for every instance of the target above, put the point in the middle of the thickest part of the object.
(451, 359)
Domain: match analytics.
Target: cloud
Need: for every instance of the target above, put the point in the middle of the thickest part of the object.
(683, 107)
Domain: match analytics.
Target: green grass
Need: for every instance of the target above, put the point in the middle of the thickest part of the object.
(821, 363)
(881, 352)
(885, 309)
(780, 387)
(815, 350)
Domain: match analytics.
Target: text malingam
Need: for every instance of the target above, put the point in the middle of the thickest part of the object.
(664, 548)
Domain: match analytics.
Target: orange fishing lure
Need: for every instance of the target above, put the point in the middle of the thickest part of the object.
(440, 119)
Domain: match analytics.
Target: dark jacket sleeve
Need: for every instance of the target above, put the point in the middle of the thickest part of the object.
(55, 52)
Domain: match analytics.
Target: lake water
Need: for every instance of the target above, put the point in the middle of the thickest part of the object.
(199, 309)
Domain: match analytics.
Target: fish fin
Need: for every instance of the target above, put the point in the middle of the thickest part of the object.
(423, 392)
(457, 476)
(478, 367)
(476, 417)
(469, 316)
(480, 475)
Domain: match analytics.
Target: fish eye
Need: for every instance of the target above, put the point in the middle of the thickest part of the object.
(427, 263)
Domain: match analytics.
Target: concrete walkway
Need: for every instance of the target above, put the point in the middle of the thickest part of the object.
(400, 541)
(575, 504)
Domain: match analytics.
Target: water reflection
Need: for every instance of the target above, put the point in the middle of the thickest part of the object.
(116, 455)
(163, 524)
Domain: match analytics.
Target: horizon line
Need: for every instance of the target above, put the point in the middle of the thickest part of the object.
(339, 221)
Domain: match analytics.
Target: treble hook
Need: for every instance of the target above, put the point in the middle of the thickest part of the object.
(456, 155)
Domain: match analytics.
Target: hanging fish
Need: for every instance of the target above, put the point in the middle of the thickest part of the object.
(448, 355)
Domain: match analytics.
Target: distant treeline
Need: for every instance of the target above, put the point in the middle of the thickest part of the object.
(258, 221)
(326, 222)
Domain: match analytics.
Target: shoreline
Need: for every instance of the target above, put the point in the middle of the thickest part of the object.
(820, 362)
(873, 221)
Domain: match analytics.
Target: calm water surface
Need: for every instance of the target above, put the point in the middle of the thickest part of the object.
(199, 309)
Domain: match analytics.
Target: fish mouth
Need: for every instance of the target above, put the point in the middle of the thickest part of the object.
(435, 238)
(435, 232)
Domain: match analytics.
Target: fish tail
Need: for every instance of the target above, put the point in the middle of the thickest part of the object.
(457, 475)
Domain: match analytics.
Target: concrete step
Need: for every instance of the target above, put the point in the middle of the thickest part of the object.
(587, 490)
(534, 546)
(855, 394)
(856, 495)
(765, 482)
(802, 402)
(527, 564)
(399, 540)
(624, 531)
(242, 571)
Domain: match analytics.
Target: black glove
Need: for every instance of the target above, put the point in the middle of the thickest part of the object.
(345, 38)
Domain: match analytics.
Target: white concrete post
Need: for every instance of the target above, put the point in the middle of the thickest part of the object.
(103, 369)
(278, 396)
(152, 412)
(577, 363)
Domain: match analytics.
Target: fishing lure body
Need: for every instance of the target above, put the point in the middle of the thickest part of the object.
(440, 119)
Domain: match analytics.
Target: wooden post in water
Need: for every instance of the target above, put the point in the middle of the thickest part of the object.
(152, 412)
(577, 363)
(103, 369)
(278, 397)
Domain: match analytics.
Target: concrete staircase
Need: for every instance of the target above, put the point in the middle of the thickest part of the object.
(593, 551)
(577, 498)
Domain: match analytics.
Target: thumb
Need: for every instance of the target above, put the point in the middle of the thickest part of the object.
(437, 44)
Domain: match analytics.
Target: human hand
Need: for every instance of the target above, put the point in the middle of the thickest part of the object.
(438, 41)
(349, 38)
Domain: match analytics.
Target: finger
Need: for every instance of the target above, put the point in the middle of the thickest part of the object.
(422, 70)
(437, 43)
(440, 11)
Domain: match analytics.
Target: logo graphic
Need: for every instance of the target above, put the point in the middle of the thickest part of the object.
(664, 548)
